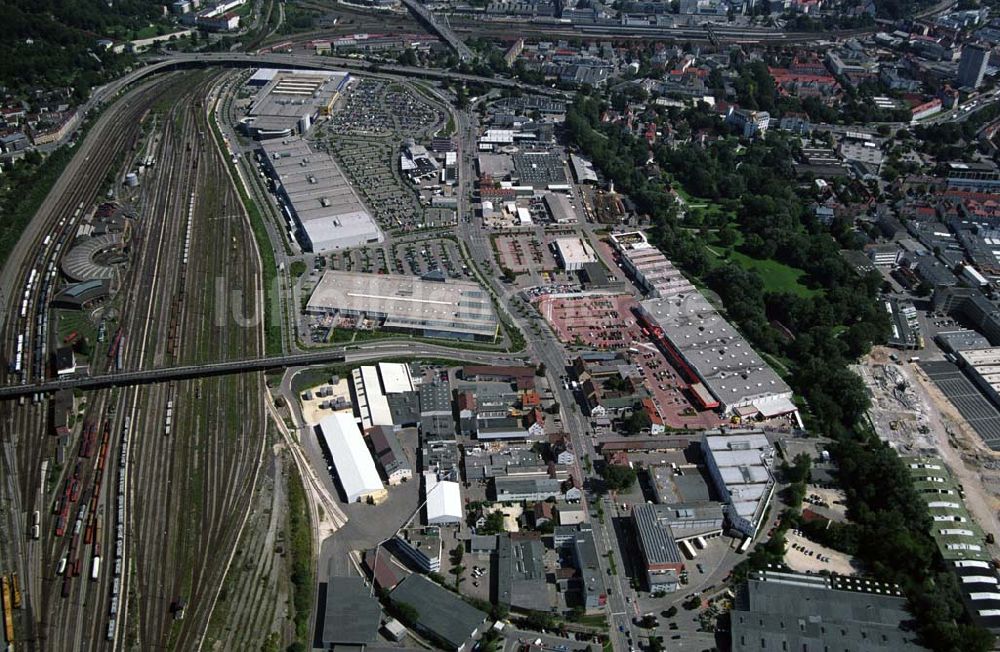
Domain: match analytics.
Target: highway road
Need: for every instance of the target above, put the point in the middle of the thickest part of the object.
(315, 62)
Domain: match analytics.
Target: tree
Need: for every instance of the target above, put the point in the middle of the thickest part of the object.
(539, 620)
(669, 613)
(406, 613)
(494, 524)
(798, 471)
(618, 477)
(540, 369)
(408, 58)
(636, 422)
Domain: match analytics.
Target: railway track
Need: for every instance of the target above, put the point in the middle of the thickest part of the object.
(158, 514)
(25, 428)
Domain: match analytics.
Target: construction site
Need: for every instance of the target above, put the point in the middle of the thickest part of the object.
(910, 413)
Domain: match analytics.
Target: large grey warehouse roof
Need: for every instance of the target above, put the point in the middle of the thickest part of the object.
(322, 200)
(722, 358)
(351, 616)
(440, 611)
(291, 94)
(407, 302)
(779, 611)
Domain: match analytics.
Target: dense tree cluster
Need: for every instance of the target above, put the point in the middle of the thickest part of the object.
(618, 477)
(52, 43)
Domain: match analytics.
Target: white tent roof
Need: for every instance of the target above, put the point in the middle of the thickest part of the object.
(444, 500)
(354, 464)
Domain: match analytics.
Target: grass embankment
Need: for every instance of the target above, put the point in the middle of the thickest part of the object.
(301, 555)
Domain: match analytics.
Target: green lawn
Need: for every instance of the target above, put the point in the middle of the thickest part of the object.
(151, 30)
(68, 321)
(777, 277)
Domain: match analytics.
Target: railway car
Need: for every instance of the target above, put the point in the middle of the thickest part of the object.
(95, 569)
(61, 566)
(8, 616)
(65, 586)
(115, 343)
(16, 590)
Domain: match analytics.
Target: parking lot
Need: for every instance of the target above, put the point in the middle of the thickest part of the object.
(366, 259)
(806, 556)
(373, 171)
(600, 321)
(375, 107)
(524, 252)
(419, 257)
(365, 133)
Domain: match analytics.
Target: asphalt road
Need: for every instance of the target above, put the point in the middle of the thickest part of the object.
(545, 348)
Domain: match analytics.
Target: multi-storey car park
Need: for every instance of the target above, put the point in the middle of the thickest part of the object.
(447, 309)
(317, 198)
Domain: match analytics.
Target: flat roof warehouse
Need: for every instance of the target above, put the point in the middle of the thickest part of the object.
(448, 309)
(721, 358)
(320, 200)
(289, 97)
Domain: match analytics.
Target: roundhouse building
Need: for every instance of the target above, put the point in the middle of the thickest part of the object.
(95, 258)
(80, 296)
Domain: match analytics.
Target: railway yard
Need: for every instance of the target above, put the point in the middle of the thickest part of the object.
(122, 530)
